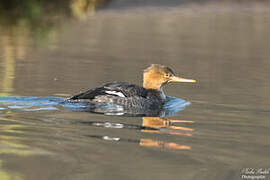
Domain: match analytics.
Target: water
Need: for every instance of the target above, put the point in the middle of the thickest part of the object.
(224, 129)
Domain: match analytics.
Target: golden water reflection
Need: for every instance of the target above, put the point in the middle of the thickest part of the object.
(4, 175)
(158, 123)
(10, 142)
(163, 125)
(13, 145)
(163, 144)
(7, 67)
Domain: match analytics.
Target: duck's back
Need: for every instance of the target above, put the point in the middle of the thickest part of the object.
(121, 93)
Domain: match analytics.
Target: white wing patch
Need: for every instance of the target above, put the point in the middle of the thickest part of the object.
(116, 93)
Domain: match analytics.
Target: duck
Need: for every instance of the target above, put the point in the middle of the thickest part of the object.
(150, 96)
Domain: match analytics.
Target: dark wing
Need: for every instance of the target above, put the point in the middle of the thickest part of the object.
(120, 89)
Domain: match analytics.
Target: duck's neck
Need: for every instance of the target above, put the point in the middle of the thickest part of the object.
(151, 82)
(154, 85)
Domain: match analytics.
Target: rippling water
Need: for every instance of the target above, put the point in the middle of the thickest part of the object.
(218, 127)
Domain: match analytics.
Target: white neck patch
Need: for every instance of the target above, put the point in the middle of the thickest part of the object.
(163, 96)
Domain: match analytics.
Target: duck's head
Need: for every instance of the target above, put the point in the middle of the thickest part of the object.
(155, 76)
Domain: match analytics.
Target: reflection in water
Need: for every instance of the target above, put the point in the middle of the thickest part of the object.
(27, 23)
(165, 126)
(7, 67)
(159, 125)
(10, 142)
(163, 145)
(7, 175)
(13, 145)
(156, 124)
(149, 125)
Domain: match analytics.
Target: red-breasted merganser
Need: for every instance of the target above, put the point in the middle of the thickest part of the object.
(150, 96)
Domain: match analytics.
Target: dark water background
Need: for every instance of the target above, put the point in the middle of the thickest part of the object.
(224, 46)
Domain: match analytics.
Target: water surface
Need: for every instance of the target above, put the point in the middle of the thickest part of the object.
(224, 129)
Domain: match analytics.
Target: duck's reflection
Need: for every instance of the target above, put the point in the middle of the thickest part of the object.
(149, 125)
(163, 144)
(167, 125)
(152, 122)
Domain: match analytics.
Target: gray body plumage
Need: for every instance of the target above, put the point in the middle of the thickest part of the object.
(123, 94)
